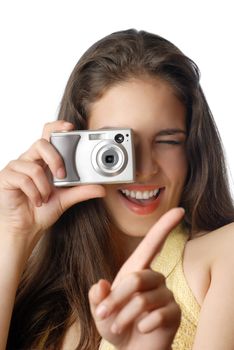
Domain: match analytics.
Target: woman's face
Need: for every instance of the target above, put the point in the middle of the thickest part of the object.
(157, 117)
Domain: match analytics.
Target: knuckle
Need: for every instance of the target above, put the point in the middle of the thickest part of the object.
(52, 126)
(11, 164)
(37, 170)
(169, 295)
(58, 159)
(25, 181)
(177, 313)
(91, 292)
(3, 175)
(46, 126)
(161, 278)
(39, 142)
(140, 301)
(112, 301)
(136, 280)
(36, 145)
(23, 155)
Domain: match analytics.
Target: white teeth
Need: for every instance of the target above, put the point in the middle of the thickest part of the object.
(156, 191)
(140, 194)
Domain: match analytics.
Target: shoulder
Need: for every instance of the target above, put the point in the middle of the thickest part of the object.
(209, 257)
(227, 230)
(215, 250)
(215, 243)
(223, 245)
(212, 331)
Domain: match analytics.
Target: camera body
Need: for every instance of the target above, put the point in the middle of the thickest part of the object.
(95, 156)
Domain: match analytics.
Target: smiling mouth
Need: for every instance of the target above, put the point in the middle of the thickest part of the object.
(142, 198)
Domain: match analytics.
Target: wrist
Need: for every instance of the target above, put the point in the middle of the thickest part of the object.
(22, 243)
(14, 250)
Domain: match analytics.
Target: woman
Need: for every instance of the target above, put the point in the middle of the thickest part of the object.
(141, 81)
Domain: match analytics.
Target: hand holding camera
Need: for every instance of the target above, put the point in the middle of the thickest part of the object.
(29, 203)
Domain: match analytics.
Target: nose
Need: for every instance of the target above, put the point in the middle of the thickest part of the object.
(146, 164)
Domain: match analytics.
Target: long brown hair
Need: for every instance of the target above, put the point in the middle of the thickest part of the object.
(79, 248)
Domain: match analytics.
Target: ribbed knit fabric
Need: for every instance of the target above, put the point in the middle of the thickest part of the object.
(169, 263)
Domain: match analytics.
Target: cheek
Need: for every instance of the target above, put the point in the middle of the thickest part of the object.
(175, 165)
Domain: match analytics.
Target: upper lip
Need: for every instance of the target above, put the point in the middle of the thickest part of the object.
(140, 187)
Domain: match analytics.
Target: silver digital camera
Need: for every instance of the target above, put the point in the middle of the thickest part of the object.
(95, 156)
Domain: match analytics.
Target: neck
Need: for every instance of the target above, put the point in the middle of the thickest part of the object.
(125, 244)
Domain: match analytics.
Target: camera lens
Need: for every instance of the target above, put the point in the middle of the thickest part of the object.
(119, 138)
(109, 159)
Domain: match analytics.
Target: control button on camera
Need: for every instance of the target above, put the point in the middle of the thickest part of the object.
(119, 138)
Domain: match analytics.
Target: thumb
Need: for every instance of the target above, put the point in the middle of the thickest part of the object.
(77, 194)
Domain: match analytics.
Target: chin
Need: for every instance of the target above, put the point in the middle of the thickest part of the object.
(137, 226)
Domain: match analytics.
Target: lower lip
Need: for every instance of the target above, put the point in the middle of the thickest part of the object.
(142, 209)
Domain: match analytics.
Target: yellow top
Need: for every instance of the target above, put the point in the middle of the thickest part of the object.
(169, 263)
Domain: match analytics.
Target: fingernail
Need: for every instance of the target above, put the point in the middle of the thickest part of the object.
(67, 124)
(101, 311)
(60, 173)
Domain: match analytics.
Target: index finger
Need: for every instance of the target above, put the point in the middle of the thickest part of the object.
(57, 125)
(152, 243)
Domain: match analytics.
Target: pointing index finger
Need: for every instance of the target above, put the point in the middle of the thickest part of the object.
(152, 243)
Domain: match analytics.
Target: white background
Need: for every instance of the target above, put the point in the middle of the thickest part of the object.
(41, 41)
